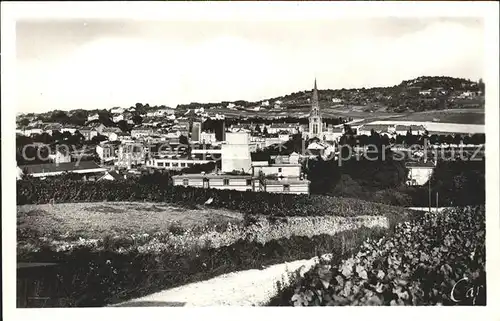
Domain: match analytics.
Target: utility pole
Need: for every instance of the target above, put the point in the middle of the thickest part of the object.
(437, 201)
(430, 195)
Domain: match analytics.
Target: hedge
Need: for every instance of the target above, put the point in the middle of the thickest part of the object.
(92, 279)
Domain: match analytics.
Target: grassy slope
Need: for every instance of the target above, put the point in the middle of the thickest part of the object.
(95, 220)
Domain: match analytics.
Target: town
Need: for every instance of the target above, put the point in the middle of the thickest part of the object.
(212, 150)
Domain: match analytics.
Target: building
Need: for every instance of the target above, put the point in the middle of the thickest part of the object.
(196, 132)
(240, 173)
(51, 169)
(107, 151)
(277, 170)
(230, 182)
(415, 129)
(207, 138)
(315, 120)
(333, 134)
(278, 128)
(175, 162)
(236, 153)
(367, 129)
(117, 110)
(130, 154)
(419, 173)
(118, 117)
(92, 117)
(140, 132)
(111, 176)
(111, 133)
(87, 133)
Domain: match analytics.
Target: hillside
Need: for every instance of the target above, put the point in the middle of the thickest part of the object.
(422, 94)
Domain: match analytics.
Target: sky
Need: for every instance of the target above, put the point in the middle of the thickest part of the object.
(96, 64)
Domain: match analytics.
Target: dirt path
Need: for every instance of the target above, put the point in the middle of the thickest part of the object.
(244, 288)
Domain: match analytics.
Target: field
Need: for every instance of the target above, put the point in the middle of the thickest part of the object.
(96, 220)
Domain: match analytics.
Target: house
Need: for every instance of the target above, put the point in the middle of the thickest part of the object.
(130, 154)
(29, 131)
(107, 151)
(124, 137)
(419, 173)
(142, 131)
(51, 169)
(51, 128)
(87, 132)
(278, 170)
(415, 129)
(277, 128)
(207, 138)
(426, 92)
(117, 110)
(287, 186)
(315, 149)
(69, 129)
(367, 129)
(333, 134)
(175, 162)
(92, 117)
(111, 133)
(118, 117)
(231, 182)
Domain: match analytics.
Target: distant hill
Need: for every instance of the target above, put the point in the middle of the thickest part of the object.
(420, 94)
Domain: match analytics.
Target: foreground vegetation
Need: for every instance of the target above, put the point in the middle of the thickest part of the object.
(437, 259)
(250, 203)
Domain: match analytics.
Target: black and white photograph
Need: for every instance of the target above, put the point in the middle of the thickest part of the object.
(251, 160)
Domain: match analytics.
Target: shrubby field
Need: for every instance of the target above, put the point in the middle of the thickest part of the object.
(436, 259)
(250, 203)
(143, 247)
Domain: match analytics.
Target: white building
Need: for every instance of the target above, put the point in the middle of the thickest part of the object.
(117, 110)
(207, 138)
(118, 117)
(236, 153)
(92, 117)
(140, 132)
(175, 162)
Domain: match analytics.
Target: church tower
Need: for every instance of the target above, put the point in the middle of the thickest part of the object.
(315, 121)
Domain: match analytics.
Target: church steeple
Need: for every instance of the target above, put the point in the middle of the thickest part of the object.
(315, 121)
(315, 99)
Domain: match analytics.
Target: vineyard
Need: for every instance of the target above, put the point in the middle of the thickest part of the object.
(437, 259)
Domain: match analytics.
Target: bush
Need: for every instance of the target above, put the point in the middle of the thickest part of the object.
(438, 259)
(92, 279)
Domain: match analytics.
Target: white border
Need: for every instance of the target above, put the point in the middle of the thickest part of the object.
(237, 12)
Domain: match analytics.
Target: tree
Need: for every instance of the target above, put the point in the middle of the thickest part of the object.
(264, 132)
(122, 124)
(137, 119)
(257, 129)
